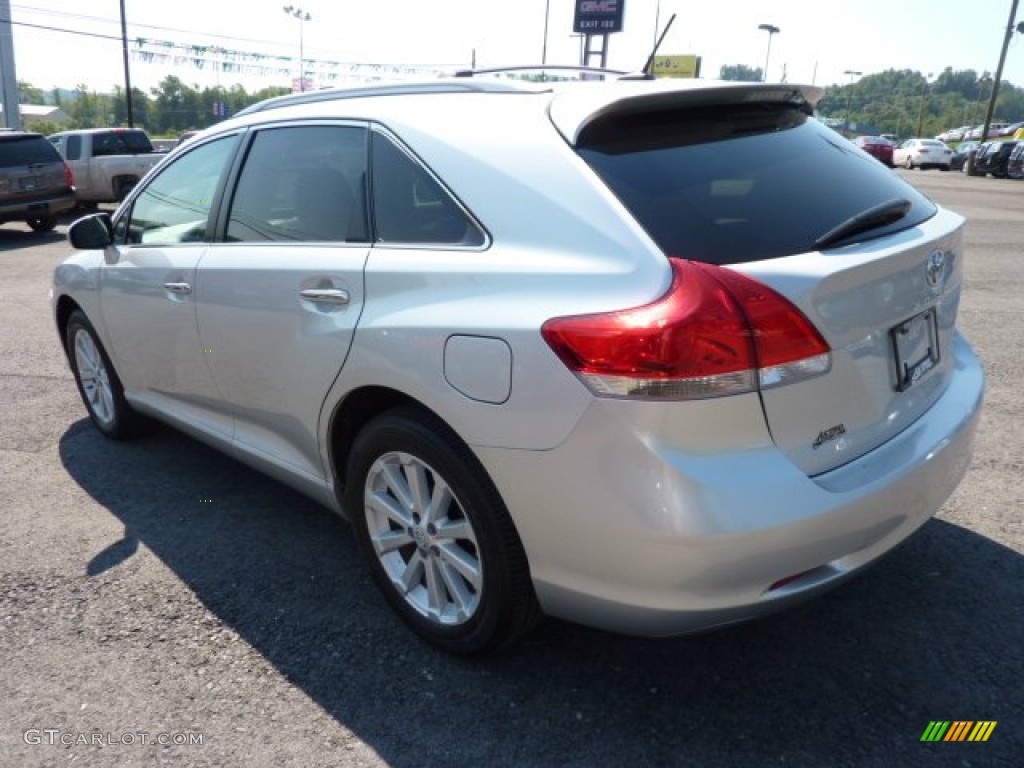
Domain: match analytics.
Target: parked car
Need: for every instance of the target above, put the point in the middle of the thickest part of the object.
(877, 147)
(35, 183)
(993, 131)
(953, 134)
(1015, 163)
(963, 151)
(922, 153)
(546, 345)
(994, 158)
(107, 162)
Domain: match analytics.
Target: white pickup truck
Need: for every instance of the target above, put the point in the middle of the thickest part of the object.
(106, 162)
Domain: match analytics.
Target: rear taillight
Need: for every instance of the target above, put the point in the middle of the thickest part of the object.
(69, 176)
(715, 333)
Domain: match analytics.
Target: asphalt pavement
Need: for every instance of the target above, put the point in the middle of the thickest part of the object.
(161, 604)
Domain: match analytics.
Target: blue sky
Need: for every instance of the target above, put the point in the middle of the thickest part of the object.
(818, 40)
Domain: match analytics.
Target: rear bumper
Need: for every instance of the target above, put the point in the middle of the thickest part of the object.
(49, 205)
(626, 533)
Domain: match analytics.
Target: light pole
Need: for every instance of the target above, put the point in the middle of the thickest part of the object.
(852, 73)
(303, 17)
(920, 109)
(771, 29)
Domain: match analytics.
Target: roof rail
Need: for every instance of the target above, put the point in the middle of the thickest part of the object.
(388, 89)
(617, 73)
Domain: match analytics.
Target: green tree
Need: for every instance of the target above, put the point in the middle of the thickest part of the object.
(89, 109)
(29, 94)
(741, 72)
(45, 127)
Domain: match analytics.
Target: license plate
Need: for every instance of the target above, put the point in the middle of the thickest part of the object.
(915, 344)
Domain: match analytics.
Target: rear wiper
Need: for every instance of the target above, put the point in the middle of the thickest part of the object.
(874, 217)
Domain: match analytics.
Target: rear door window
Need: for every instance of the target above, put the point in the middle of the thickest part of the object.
(727, 184)
(304, 184)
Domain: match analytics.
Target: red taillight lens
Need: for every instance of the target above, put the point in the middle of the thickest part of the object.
(716, 332)
(69, 176)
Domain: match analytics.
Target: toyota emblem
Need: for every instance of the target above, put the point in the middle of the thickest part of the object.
(935, 267)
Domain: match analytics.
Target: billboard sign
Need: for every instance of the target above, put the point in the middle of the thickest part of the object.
(598, 17)
(686, 65)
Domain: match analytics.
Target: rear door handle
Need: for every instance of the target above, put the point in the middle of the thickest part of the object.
(325, 295)
(183, 289)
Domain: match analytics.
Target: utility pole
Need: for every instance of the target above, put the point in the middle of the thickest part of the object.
(11, 102)
(1010, 28)
(127, 70)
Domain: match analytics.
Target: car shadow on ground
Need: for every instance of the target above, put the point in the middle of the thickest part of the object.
(850, 679)
(15, 235)
(18, 234)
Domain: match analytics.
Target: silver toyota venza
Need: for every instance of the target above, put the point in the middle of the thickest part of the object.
(648, 356)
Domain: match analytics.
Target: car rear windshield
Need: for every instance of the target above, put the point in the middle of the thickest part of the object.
(26, 150)
(727, 184)
(121, 143)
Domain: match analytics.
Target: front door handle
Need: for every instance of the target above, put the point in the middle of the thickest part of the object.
(182, 289)
(325, 295)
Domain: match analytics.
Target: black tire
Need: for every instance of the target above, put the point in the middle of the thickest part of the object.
(470, 590)
(98, 383)
(43, 223)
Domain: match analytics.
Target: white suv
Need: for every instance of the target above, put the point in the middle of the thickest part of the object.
(651, 357)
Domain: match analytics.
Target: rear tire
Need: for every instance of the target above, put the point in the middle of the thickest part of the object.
(436, 534)
(42, 224)
(98, 383)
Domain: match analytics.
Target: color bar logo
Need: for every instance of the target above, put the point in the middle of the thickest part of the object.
(958, 730)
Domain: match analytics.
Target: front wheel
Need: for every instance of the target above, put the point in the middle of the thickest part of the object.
(438, 538)
(97, 381)
(43, 223)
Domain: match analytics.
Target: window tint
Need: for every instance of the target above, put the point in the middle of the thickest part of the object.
(736, 183)
(74, 148)
(175, 205)
(410, 207)
(121, 143)
(302, 183)
(27, 150)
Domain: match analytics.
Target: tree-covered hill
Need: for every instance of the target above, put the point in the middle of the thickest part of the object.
(899, 101)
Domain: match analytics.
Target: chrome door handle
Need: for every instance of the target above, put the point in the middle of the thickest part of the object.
(183, 289)
(325, 295)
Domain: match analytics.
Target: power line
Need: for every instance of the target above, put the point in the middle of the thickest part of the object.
(115, 22)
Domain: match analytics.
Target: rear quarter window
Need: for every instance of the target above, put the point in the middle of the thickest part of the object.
(728, 184)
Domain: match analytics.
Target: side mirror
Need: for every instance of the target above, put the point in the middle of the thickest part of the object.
(92, 232)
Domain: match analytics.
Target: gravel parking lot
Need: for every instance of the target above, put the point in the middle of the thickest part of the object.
(161, 604)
